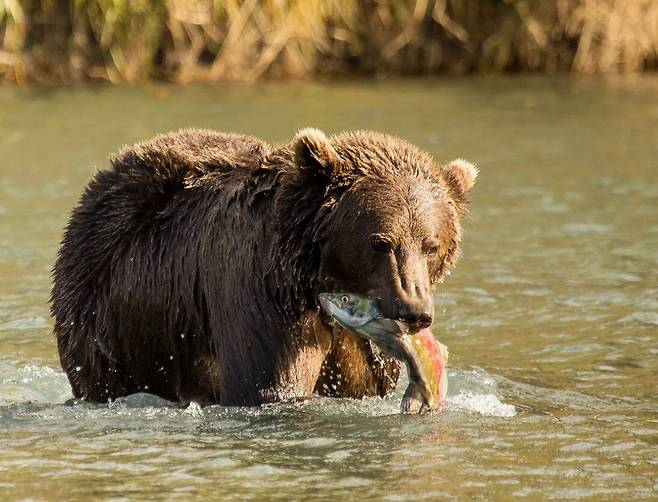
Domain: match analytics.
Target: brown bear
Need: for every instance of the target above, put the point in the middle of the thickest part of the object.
(191, 268)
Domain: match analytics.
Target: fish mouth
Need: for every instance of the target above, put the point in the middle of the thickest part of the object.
(325, 303)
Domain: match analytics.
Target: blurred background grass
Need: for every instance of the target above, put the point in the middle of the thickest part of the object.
(230, 40)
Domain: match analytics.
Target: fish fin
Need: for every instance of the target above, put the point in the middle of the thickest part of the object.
(443, 384)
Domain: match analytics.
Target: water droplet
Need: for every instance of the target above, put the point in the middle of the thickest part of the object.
(78, 368)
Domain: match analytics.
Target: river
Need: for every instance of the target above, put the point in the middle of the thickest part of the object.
(551, 315)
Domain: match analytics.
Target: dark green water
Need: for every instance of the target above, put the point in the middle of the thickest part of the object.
(551, 316)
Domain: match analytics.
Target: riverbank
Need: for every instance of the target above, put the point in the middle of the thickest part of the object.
(59, 41)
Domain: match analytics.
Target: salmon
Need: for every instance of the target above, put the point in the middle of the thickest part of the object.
(425, 357)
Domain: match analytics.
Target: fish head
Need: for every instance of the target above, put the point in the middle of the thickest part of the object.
(350, 310)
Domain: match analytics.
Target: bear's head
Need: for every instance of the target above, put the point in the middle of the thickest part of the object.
(372, 214)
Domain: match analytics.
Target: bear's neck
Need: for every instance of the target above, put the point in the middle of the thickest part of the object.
(299, 216)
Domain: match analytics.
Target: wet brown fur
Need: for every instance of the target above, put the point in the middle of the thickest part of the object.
(191, 267)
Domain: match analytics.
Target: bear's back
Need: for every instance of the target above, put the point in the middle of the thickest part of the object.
(187, 156)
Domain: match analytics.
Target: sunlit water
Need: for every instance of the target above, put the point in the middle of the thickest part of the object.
(551, 316)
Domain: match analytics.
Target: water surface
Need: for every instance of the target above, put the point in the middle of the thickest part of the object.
(551, 315)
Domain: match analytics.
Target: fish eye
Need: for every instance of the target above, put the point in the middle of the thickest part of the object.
(345, 299)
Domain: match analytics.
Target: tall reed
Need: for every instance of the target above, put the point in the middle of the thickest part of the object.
(213, 40)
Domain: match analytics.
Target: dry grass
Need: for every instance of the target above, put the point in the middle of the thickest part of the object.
(213, 40)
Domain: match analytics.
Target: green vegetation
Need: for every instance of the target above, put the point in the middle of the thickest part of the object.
(213, 40)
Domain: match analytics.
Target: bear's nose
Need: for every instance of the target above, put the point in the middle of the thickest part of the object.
(422, 321)
(414, 318)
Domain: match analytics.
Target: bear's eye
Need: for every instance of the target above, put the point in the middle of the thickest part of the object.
(381, 245)
(430, 248)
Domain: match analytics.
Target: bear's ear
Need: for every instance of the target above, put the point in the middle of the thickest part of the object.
(313, 151)
(460, 175)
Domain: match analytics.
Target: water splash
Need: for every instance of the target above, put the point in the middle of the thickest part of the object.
(471, 391)
(475, 391)
(35, 383)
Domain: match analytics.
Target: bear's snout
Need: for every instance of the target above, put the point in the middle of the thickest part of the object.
(415, 314)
